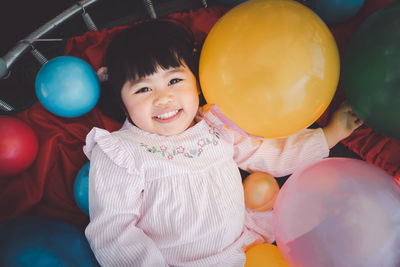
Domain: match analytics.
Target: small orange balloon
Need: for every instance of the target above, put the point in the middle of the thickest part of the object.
(265, 255)
(260, 191)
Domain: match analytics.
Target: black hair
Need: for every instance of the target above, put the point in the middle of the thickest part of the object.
(139, 50)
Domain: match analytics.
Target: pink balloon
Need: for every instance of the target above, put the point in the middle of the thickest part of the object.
(339, 212)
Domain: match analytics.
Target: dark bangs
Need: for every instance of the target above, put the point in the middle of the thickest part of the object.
(138, 51)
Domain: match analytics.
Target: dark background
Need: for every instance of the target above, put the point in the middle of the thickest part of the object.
(18, 18)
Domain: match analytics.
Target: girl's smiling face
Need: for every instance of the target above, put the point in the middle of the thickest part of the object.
(164, 102)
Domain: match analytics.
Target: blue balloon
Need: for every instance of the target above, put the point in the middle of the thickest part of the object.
(81, 188)
(67, 86)
(43, 241)
(335, 11)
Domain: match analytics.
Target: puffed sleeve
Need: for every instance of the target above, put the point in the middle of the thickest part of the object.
(115, 197)
(280, 157)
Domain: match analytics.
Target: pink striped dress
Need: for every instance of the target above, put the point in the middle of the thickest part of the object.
(178, 200)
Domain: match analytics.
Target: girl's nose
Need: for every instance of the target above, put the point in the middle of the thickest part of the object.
(163, 99)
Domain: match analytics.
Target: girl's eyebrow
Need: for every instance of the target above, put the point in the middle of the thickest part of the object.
(139, 80)
(167, 73)
(174, 70)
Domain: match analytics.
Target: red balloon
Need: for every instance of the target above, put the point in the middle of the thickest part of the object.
(18, 146)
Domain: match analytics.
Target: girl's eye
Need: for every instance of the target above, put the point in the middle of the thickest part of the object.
(143, 90)
(174, 81)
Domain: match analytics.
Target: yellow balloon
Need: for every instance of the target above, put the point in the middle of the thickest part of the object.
(265, 255)
(271, 66)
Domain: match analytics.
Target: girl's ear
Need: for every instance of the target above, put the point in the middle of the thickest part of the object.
(102, 74)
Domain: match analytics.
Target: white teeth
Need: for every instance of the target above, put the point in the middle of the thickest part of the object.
(167, 115)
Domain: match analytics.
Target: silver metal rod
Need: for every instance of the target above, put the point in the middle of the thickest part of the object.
(150, 8)
(31, 41)
(21, 47)
(5, 106)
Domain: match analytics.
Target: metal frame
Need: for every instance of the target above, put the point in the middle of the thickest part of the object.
(21, 47)
(27, 43)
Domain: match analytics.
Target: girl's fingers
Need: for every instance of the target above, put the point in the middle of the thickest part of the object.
(353, 115)
(357, 123)
(346, 107)
(352, 112)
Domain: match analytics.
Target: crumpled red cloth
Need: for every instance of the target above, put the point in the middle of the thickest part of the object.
(46, 188)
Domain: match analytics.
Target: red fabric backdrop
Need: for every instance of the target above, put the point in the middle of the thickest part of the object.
(46, 188)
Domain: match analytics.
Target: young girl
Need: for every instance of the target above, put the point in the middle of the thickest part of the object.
(165, 189)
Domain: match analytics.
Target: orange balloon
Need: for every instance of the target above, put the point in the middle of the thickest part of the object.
(265, 255)
(260, 191)
(271, 66)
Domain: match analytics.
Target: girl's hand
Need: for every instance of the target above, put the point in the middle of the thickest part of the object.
(342, 123)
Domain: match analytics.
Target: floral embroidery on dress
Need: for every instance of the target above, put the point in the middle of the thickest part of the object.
(186, 152)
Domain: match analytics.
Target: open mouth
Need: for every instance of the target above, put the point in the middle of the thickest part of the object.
(168, 116)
